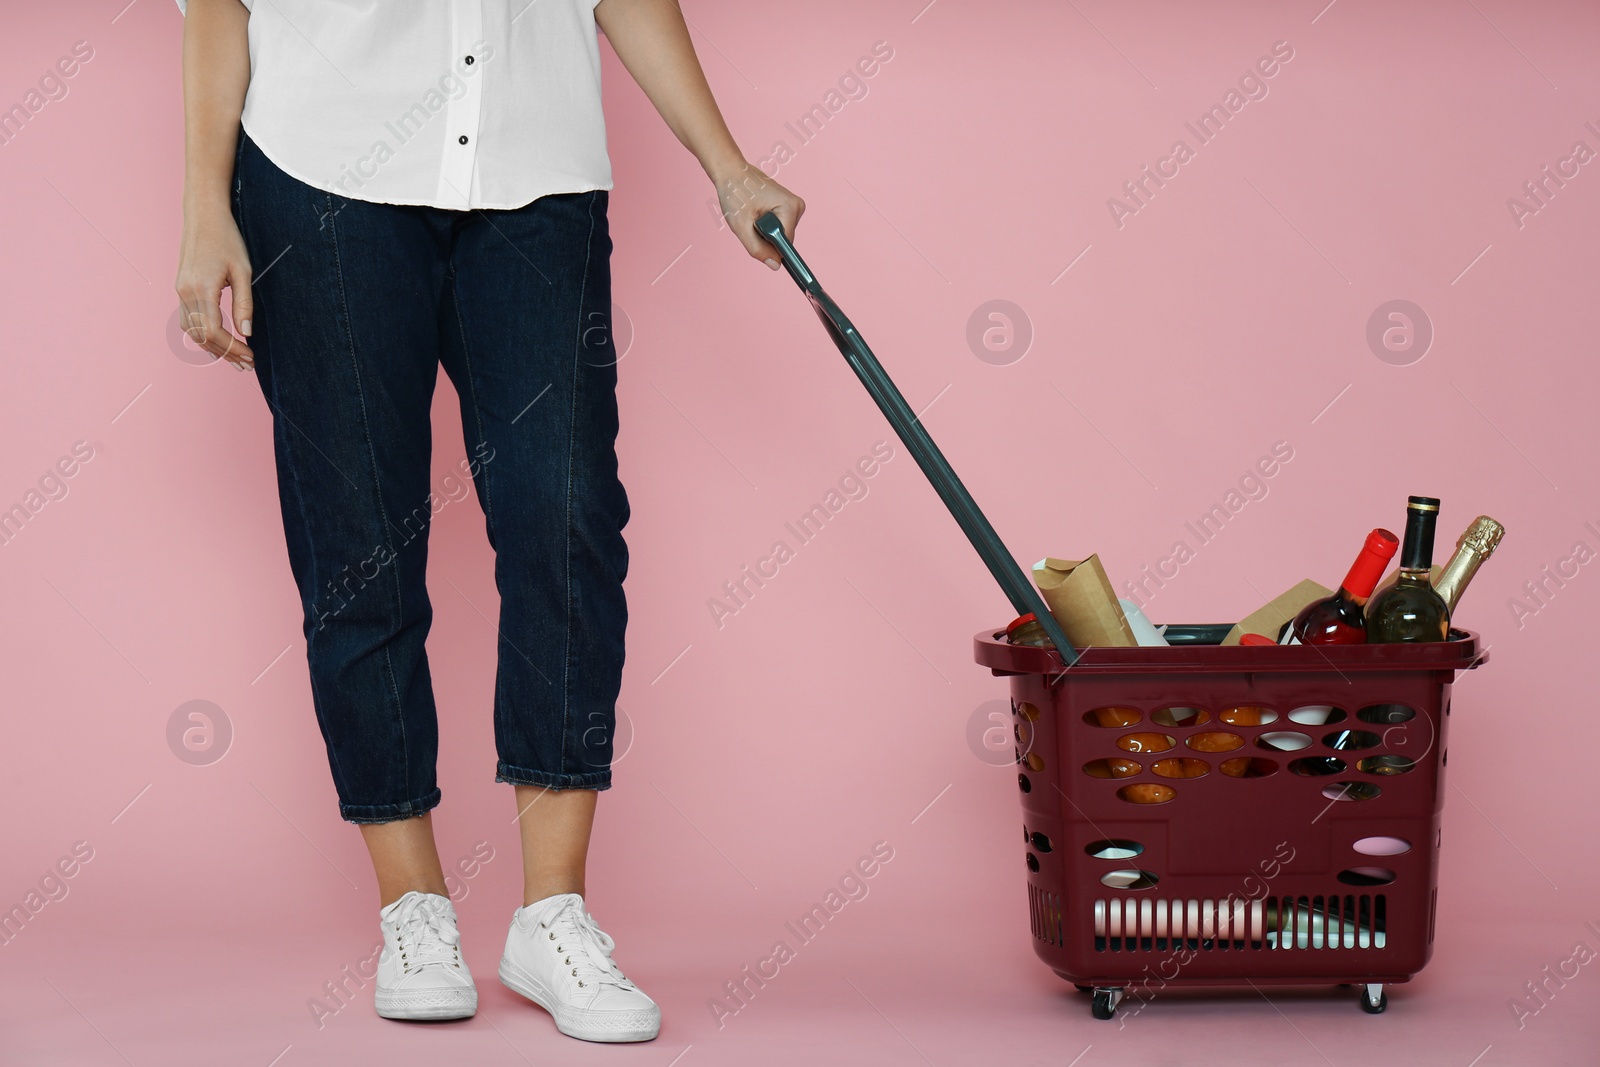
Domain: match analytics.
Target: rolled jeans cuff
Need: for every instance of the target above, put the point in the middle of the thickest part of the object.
(380, 813)
(505, 772)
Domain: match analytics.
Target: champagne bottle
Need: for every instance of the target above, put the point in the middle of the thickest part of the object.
(1338, 619)
(1411, 609)
(1474, 546)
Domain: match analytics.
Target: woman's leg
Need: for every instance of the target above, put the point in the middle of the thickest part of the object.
(345, 335)
(532, 357)
(555, 825)
(404, 857)
(526, 339)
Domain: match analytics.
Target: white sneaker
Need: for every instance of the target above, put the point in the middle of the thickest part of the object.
(421, 974)
(558, 958)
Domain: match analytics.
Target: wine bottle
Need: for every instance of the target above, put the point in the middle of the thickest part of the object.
(1338, 619)
(1473, 547)
(1411, 609)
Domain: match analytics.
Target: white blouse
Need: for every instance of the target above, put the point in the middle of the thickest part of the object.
(449, 103)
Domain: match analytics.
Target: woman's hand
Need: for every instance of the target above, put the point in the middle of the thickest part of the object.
(746, 195)
(213, 256)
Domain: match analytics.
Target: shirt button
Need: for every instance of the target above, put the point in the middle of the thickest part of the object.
(470, 61)
(463, 138)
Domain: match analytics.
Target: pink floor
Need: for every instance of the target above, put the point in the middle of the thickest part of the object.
(925, 968)
(156, 993)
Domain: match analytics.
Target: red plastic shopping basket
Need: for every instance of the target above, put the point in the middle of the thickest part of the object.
(1221, 815)
(1203, 814)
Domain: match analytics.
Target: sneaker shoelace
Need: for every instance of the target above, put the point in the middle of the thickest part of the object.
(583, 946)
(427, 935)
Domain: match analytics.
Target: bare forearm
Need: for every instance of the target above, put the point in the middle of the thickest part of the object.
(652, 40)
(212, 255)
(216, 72)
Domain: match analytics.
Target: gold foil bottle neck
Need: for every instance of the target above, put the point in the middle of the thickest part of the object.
(1482, 537)
(1475, 546)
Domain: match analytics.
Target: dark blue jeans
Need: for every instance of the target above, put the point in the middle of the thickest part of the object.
(356, 306)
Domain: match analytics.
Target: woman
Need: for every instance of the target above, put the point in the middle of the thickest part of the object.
(416, 183)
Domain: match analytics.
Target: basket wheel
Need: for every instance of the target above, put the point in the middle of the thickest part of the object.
(1373, 999)
(1104, 1004)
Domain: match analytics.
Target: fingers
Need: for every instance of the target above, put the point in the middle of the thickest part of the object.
(202, 321)
(201, 311)
(755, 244)
(237, 350)
(788, 210)
(243, 304)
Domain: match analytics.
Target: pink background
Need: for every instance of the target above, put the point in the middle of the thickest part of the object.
(770, 754)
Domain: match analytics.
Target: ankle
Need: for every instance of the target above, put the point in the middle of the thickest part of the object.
(388, 894)
(532, 894)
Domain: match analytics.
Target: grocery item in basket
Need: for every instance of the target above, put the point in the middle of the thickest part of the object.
(1269, 621)
(1080, 597)
(1433, 575)
(1144, 793)
(1473, 548)
(1025, 630)
(1144, 631)
(1411, 609)
(1282, 925)
(1339, 619)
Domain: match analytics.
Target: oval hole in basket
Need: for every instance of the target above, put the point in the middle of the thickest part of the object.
(1147, 793)
(1247, 715)
(1284, 741)
(1111, 768)
(1180, 716)
(1145, 742)
(1386, 764)
(1028, 711)
(1247, 767)
(1181, 768)
(1350, 791)
(1345, 740)
(1023, 732)
(1114, 848)
(1034, 762)
(1033, 863)
(1386, 714)
(1316, 715)
(1382, 846)
(1023, 783)
(1215, 742)
(1129, 879)
(1041, 842)
(1366, 876)
(1112, 718)
(1316, 766)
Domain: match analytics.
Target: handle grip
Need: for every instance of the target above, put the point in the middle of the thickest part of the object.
(770, 227)
(908, 426)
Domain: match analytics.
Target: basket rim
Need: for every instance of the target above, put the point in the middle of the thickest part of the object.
(1461, 652)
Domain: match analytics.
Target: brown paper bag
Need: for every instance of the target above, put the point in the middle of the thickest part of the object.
(1081, 599)
(1269, 620)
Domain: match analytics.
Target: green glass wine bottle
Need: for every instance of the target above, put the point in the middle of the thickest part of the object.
(1410, 609)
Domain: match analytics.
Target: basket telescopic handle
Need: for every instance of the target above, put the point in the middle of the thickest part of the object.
(770, 227)
(908, 426)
